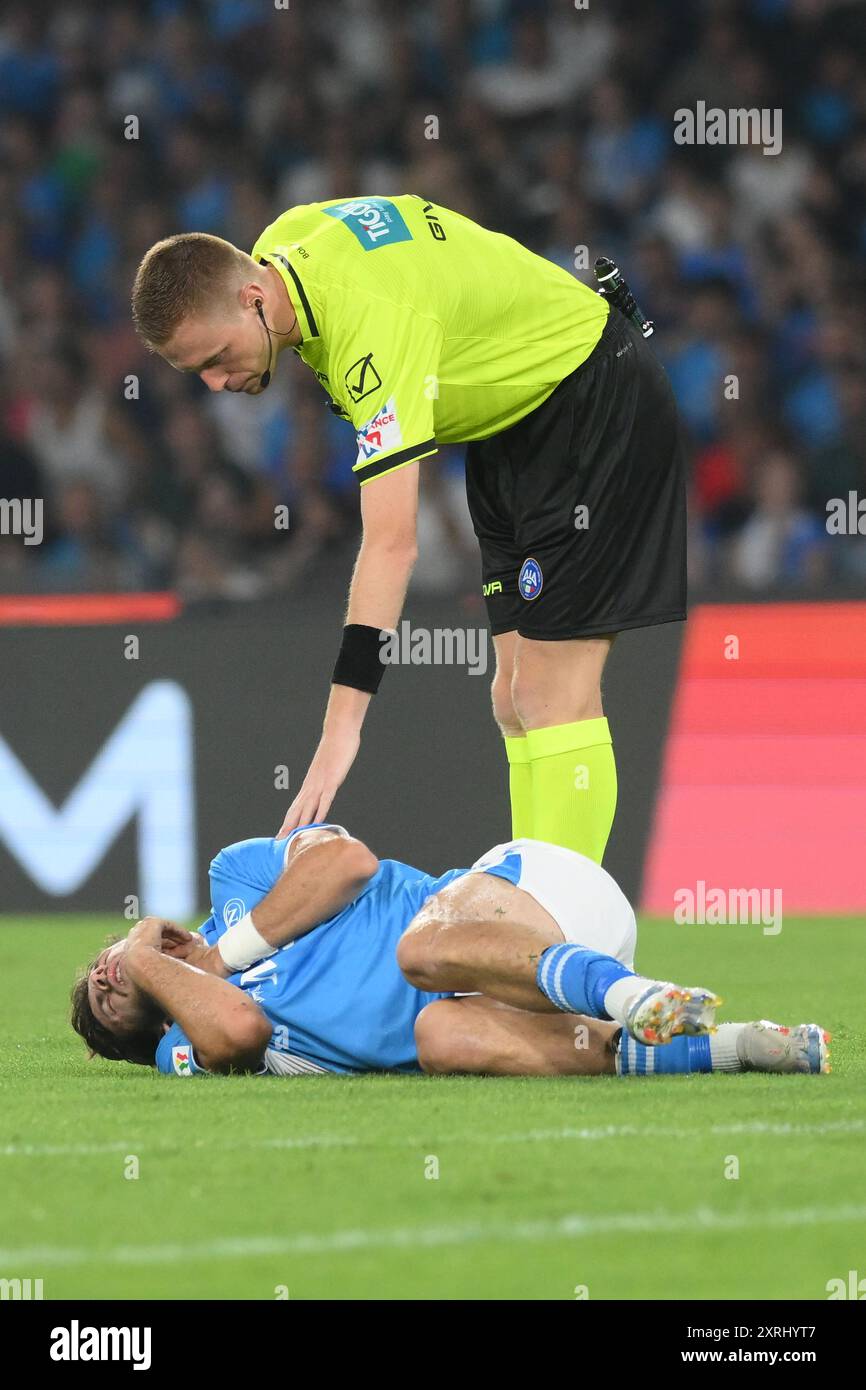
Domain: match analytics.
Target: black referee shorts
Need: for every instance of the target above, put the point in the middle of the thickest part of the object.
(580, 507)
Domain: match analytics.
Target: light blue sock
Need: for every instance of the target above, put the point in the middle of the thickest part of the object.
(576, 979)
(681, 1056)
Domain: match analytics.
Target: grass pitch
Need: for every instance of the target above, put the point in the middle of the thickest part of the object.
(322, 1187)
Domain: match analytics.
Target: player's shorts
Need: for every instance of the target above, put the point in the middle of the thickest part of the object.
(588, 906)
(580, 508)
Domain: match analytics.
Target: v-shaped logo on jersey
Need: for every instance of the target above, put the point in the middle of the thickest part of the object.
(362, 379)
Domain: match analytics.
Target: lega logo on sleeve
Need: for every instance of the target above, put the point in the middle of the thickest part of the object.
(362, 379)
(180, 1060)
(374, 221)
(379, 434)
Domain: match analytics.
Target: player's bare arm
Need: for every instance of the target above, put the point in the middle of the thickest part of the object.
(225, 1026)
(325, 871)
(389, 513)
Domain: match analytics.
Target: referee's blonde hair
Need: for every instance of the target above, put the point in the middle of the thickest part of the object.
(183, 275)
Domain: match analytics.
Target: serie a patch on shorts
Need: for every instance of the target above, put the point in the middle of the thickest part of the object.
(580, 508)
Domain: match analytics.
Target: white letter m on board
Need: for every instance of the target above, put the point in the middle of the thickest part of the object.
(144, 768)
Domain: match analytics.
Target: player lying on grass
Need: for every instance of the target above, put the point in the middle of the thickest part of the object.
(521, 965)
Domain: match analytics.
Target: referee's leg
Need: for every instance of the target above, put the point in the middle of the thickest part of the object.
(514, 737)
(548, 704)
(552, 686)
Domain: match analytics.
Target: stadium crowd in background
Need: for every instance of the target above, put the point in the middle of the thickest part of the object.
(554, 124)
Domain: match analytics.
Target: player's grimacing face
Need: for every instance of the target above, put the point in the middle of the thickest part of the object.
(229, 352)
(114, 999)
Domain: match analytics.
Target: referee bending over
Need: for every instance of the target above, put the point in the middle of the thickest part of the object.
(426, 329)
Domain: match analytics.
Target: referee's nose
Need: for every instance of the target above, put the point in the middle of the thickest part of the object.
(214, 378)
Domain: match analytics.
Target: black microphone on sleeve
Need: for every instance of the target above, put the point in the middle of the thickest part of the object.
(613, 287)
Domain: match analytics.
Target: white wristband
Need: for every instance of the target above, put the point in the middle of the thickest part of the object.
(242, 945)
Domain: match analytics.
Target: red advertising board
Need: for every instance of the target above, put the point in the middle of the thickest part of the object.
(764, 776)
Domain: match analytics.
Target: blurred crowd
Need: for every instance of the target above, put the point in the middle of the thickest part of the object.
(121, 124)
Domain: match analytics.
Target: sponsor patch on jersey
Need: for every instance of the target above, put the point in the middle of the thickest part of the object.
(233, 911)
(380, 434)
(530, 579)
(374, 221)
(181, 1061)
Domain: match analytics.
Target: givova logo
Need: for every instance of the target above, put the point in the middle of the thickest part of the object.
(77, 1343)
(374, 221)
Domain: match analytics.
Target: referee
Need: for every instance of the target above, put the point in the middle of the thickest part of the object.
(426, 329)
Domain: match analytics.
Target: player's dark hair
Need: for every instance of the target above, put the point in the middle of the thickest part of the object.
(137, 1046)
(179, 276)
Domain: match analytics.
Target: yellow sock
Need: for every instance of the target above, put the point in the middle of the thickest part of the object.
(520, 787)
(573, 785)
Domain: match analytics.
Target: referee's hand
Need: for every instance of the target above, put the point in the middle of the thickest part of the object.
(334, 757)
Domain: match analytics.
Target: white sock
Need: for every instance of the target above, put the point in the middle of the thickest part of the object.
(620, 994)
(723, 1047)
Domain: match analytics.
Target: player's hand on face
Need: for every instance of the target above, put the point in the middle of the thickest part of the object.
(191, 947)
(148, 932)
(334, 757)
(162, 935)
(182, 944)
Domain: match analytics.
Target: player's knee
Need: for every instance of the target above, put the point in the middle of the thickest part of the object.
(531, 698)
(436, 1040)
(503, 705)
(414, 951)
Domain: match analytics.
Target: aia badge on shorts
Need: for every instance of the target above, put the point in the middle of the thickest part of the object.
(530, 579)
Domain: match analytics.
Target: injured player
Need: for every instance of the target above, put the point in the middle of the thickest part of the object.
(319, 957)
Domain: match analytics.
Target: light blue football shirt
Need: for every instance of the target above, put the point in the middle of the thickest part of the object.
(336, 997)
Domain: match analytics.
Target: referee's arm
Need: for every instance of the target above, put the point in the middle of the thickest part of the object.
(389, 548)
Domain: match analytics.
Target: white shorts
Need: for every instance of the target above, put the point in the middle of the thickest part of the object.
(587, 905)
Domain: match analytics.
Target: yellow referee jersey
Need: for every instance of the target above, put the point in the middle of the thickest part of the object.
(425, 328)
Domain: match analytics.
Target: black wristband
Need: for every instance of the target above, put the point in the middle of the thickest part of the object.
(359, 663)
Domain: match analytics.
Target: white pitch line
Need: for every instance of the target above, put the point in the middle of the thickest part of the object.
(566, 1227)
(781, 1129)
